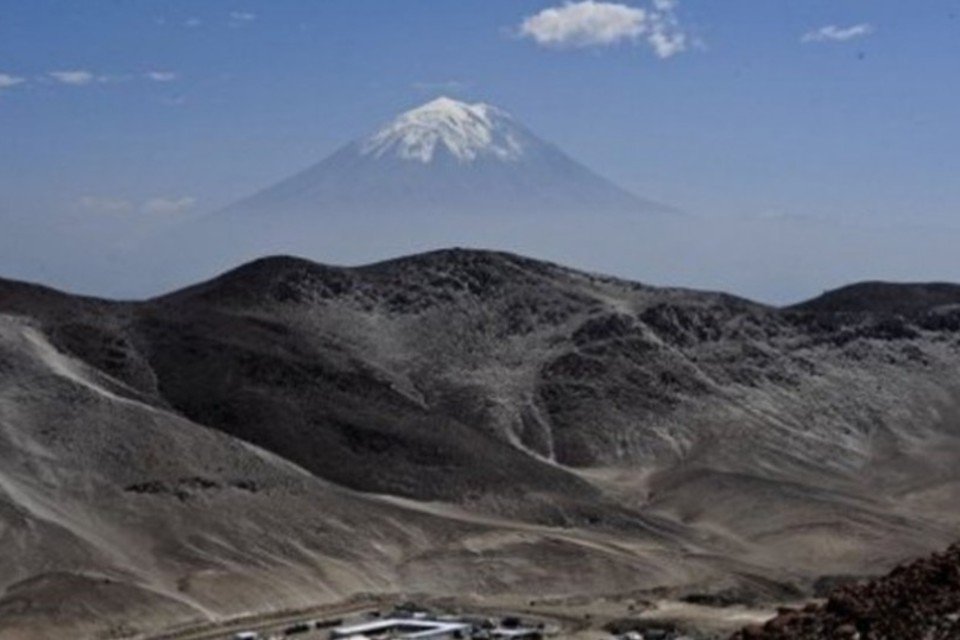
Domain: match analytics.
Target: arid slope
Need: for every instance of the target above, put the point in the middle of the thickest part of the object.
(461, 421)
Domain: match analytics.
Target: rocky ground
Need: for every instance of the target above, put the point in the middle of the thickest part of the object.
(916, 600)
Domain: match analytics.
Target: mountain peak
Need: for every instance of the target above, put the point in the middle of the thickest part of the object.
(444, 157)
(446, 103)
(465, 131)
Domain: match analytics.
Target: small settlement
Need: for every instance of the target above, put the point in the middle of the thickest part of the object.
(408, 622)
(405, 624)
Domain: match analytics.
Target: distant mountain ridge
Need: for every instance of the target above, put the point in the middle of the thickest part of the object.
(885, 297)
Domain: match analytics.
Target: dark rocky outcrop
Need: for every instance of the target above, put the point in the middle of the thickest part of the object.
(916, 600)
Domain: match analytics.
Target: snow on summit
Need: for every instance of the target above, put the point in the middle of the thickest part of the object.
(444, 158)
(465, 131)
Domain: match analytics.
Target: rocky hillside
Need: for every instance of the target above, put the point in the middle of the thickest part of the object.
(917, 600)
(498, 424)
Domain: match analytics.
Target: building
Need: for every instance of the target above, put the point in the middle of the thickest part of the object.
(516, 633)
(404, 629)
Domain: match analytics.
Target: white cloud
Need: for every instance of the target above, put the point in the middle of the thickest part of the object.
(240, 18)
(105, 204)
(7, 81)
(161, 76)
(76, 77)
(108, 78)
(585, 23)
(164, 206)
(833, 33)
(666, 35)
(590, 23)
(192, 23)
(81, 77)
(154, 206)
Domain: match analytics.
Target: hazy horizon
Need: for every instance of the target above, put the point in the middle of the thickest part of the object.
(807, 147)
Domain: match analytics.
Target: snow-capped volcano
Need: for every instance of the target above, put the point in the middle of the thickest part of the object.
(446, 173)
(445, 157)
(465, 131)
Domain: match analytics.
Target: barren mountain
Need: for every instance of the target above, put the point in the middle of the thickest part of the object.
(461, 422)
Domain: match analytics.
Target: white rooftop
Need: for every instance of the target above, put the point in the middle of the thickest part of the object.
(413, 628)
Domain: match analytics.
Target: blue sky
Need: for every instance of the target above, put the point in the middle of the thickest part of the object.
(117, 117)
